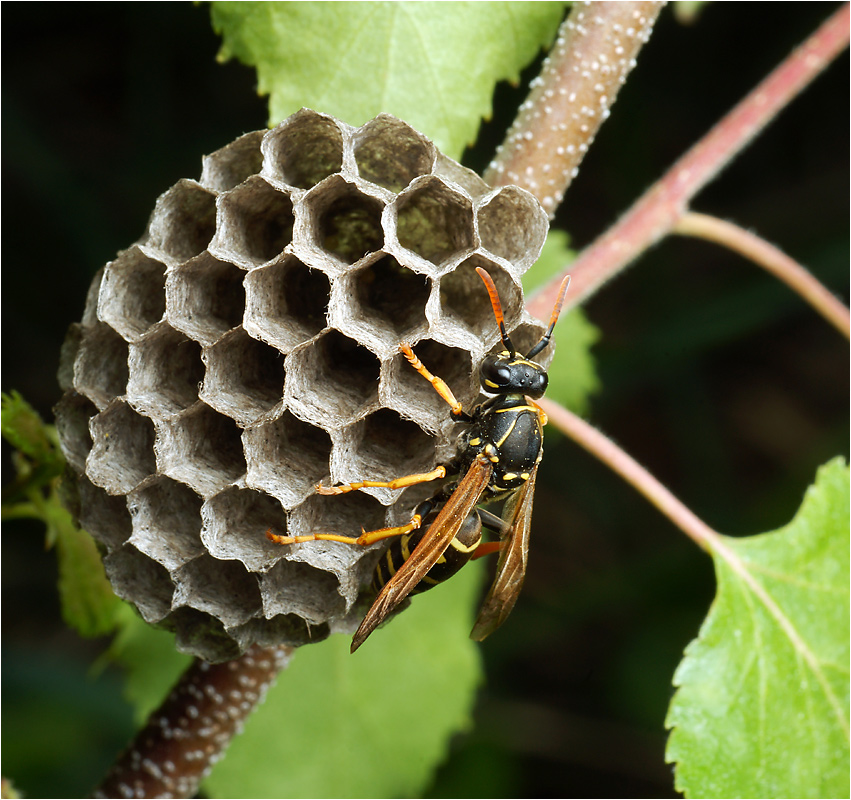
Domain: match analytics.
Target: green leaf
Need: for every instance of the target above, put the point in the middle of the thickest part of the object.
(372, 724)
(434, 65)
(151, 662)
(88, 603)
(24, 429)
(762, 704)
(572, 373)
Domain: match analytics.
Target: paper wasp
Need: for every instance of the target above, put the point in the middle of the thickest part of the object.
(497, 459)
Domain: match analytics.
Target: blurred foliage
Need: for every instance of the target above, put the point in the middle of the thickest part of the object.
(719, 380)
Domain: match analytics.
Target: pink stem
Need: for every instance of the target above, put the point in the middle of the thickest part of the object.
(658, 211)
(631, 471)
(770, 258)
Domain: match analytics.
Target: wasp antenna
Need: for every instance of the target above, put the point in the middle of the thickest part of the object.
(545, 339)
(497, 309)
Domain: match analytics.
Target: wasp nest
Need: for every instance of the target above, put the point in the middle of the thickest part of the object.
(246, 348)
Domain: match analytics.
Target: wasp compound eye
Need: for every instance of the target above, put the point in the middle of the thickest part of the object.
(247, 348)
(495, 374)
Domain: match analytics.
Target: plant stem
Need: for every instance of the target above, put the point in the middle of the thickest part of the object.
(189, 732)
(770, 258)
(605, 450)
(594, 52)
(657, 212)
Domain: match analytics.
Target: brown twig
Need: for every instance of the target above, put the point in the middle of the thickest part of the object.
(605, 450)
(770, 258)
(594, 52)
(657, 212)
(187, 735)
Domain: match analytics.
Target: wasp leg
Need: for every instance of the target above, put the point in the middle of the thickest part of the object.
(542, 415)
(366, 538)
(396, 483)
(438, 384)
(485, 549)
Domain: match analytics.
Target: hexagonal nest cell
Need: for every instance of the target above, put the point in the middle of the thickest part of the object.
(247, 347)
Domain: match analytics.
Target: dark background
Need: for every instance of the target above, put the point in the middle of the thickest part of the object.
(720, 380)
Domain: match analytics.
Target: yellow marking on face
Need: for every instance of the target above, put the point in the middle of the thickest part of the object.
(491, 384)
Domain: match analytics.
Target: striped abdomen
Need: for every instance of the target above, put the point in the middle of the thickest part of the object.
(459, 552)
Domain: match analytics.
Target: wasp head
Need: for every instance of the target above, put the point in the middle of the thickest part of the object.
(510, 373)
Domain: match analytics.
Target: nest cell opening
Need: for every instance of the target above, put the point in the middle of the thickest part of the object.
(132, 293)
(231, 165)
(165, 370)
(223, 589)
(73, 413)
(392, 299)
(236, 521)
(391, 154)
(452, 364)
(347, 223)
(286, 303)
(141, 581)
(245, 377)
(513, 225)
(103, 515)
(343, 514)
(287, 458)
(333, 380)
(184, 221)
(205, 298)
(256, 223)
(305, 150)
(435, 222)
(202, 449)
(123, 452)
(167, 522)
(383, 446)
(465, 302)
(297, 588)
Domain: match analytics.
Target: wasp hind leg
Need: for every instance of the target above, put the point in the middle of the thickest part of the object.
(365, 539)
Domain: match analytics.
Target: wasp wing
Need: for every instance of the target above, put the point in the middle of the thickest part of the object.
(431, 547)
(511, 568)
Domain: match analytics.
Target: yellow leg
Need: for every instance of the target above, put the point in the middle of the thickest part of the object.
(366, 538)
(396, 483)
(438, 384)
(541, 413)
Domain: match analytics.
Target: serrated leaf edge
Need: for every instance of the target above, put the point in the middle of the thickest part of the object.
(737, 565)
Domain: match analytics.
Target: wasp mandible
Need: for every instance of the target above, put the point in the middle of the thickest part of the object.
(497, 459)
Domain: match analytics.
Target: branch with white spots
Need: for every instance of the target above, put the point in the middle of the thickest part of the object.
(190, 731)
(594, 52)
(659, 210)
